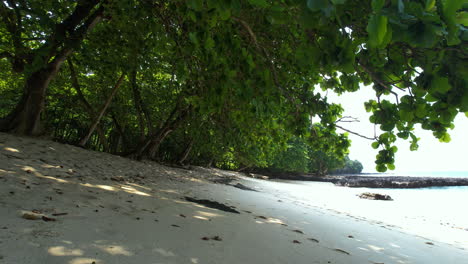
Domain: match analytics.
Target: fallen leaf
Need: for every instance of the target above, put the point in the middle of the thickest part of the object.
(298, 231)
(296, 242)
(341, 251)
(47, 219)
(205, 238)
(175, 225)
(217, 238)
(350, 236)
(59, 214)
(262, 217)
(181, 215)
(430, 243)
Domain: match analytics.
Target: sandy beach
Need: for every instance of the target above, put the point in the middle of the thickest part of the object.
(97, 208)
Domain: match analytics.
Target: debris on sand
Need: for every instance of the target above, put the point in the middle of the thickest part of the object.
(375, 196)
(212, 204)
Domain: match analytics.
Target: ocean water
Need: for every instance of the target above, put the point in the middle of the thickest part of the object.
(438, 214)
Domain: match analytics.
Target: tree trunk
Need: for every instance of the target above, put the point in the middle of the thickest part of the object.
(186, 152)
(103, 110)
(152, 143)
(138, 106)
(25, 117)
(92, 114)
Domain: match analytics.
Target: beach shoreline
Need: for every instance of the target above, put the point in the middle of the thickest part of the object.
(107, 209)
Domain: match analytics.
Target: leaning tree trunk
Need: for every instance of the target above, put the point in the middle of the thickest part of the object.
(186, 152)
(103, 110)
(87, 106)
(25, 117)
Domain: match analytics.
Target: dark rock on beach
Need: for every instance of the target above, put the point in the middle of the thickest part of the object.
(375, 196)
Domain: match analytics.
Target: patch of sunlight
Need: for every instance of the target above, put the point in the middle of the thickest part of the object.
(274, 221)
(259, 222)
(394, 245)
(194, 260)
(51, 148)
(48, 166)
(169, 191)
(196, 180)
(132, 190)
(99, 186)
(63, 251)
(115, 250)
(5, 171)
(185, 202)
(208, 214)
(140, 186)
(361, 248)
(11, 149)
(28, 168)
(165, 253)
(201, 217)
(375, 248)
(52, 178)
(40, 175)
(67, 242)
(84, 261)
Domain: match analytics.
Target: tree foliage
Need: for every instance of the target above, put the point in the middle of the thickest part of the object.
(230, 82)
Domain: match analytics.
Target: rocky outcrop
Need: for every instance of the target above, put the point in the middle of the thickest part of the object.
(370, 181)
(399, 182)
(375, 196)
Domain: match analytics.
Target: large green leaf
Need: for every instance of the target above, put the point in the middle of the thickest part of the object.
(316, 5)
(377, 29)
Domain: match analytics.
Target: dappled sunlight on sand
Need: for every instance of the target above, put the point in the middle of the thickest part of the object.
(11, 149)
(208, 214)
(85, 261)
(201, 217)
(99, 186)
(132, 190)
(29, 169)
(61, 251)
(375, 248)
(115, 250)
(140, 186)
(163, 252)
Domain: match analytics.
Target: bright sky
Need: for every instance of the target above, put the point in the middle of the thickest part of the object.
(432, 155)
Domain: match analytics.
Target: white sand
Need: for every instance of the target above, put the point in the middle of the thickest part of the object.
(144, 218)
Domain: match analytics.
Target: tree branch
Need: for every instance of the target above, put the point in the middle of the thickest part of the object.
(376, 79)
(355, 133)
(268, 58)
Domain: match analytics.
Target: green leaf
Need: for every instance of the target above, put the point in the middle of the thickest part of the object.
(375, 145)
(462, 18)
(430, 4)
(377, 5)
(316, 5)
(209, 43)
(391, 166)
(440, 85)
(377, 29)
(196, 5)
(445, 138)
(338, 2)
(259, 3)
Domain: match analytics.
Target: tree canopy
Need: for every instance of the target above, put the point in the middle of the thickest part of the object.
(229, 82)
